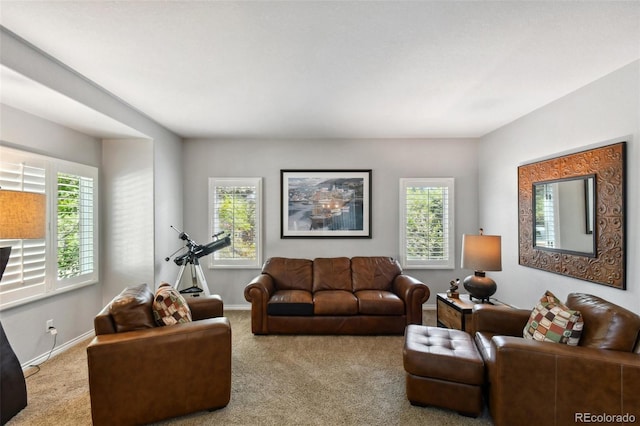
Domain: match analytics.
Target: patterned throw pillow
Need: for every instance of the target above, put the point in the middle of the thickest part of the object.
(552, 321)
(169, 307)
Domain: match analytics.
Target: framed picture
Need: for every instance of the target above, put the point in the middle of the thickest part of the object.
(325, 203)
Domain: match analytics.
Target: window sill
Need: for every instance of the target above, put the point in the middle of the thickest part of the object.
(30, 299)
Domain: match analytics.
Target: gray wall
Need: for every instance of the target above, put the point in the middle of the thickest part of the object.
(127, 233)
(389, 160)
(158, 159)
(166, 150)
(606, 110)
(72, 311)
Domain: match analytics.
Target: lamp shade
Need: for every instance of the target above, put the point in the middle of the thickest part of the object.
(482, 252)
(22, 215)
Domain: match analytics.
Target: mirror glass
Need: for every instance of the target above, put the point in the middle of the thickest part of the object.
(564, 215)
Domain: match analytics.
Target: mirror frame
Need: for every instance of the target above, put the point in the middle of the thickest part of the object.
(608, 164)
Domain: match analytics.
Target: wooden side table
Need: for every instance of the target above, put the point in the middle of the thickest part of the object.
(456, 313)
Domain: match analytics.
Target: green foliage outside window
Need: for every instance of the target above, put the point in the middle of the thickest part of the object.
(539, 206)
(68, 226)
(236, 213)
(74, 224)
(426, 225)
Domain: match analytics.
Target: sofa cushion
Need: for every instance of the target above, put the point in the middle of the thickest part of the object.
(379, 302)
(374, 273)
(334, 302)
(290, 302)
(169, 307)
(289, 274)
(606, 325)
(332, 274)
(552, 321)
(131, 309)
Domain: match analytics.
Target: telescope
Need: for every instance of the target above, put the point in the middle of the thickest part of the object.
(194, 252)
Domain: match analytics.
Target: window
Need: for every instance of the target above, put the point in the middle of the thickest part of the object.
(236, 208)
(68, 256)
(426, 223)
(546, 211)
(75, 227)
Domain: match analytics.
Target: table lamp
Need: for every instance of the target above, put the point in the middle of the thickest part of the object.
(481, 253)
(22, 216)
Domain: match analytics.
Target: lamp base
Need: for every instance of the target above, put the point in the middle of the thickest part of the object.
(480, 286)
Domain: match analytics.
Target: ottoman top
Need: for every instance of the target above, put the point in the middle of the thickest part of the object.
(442, 353)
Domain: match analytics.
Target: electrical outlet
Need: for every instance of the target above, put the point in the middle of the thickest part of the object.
(48, 326)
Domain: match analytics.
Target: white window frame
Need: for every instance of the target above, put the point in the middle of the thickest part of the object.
(423, 263)
(76, 169)
(256, 182)
(47, 283)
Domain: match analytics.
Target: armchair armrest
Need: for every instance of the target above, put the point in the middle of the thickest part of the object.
(205, 307)
(127, 369)
(499, 320)
(414, 293)
(558, 375)
(103, 322)
(258, 292)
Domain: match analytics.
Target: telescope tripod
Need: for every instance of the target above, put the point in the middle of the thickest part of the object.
(194, 252)
(197, 277)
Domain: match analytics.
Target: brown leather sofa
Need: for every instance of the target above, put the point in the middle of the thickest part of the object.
(339, 295)
(535, 383)
(141, 373)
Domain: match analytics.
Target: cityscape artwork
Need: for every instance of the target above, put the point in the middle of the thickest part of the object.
(326, 203)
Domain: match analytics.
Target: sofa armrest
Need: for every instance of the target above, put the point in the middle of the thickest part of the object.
(203, 307)
(499, 320)
(258, 292)
(558, 375)
(414, 293)
(127, 369)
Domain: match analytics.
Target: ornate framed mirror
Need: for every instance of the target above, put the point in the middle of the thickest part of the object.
(571, 215)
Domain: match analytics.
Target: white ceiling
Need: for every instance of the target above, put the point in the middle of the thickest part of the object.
(333, 69)
(28, 95)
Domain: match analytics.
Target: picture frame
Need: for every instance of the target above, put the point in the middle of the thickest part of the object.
(325, 203)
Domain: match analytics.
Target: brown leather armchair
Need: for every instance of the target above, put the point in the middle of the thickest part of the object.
(152, 373)
(534, 383)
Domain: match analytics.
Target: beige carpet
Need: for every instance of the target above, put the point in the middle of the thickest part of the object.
(276, 380)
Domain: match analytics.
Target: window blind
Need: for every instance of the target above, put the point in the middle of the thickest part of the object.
(27, 262)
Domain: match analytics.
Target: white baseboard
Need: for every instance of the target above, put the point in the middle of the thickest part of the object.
(57, 350)
(244, 307)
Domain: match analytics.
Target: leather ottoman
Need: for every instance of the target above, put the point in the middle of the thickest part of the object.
(443, 369)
